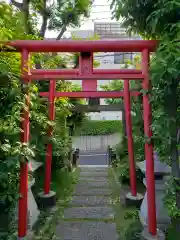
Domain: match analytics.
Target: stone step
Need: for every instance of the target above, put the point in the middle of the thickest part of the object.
(94, 184)
(89, 213)
(85, 191)
(93, 178)
(90, 200)
(98, 169)
(94, 174)
(86, 231)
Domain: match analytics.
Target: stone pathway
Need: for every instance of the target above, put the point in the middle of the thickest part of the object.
(89, 215)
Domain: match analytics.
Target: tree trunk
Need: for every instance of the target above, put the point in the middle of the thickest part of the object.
(63, 29)
(44, 20)
(27, 23)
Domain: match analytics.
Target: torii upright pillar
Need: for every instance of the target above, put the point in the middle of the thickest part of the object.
(23, 185)
(48, 197)
(132, 198)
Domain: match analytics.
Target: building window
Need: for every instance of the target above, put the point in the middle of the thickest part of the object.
(121, 58)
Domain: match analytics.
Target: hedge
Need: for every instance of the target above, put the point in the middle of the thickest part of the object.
(99, 127)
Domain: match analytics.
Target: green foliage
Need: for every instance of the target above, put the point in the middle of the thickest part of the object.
(63, 184)
(99, 127)
(172, 232)
(123, 167)
(55, 15)
(134, 231)
(159, 20)
(14, 26)
(114, 85)
(11, 103)
(150, 18)
(122, 148)
(67, 13)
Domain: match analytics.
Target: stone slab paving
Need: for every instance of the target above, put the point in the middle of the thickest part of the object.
(94, 184)
(94, 174)
(94, 169)
(90, 200)
(87, 231)
(93, 178)
(91, 207)
(92, 159)
(89, 213)
(85, 191)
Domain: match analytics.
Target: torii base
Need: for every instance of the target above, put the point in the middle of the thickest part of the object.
(145, 235)
(134, 200)
(46, 201)
(29, 236)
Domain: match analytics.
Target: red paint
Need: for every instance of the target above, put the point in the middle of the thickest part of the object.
(132, 167)
(60, 72)
(152, 225)
(100, 94)
(74, 74)
(90, 75)
(89, 85)
(23, 185)
(86, 76)
(47, 182)
(86, 67)
(83, 45)
(23, 200)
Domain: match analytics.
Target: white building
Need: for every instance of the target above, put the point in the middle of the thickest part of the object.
(108, 60)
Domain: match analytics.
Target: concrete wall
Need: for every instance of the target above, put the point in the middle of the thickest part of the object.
(96, 142)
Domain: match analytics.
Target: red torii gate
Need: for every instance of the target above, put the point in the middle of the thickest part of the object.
(90, 77)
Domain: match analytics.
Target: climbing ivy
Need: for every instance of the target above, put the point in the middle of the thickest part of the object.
(160, 20)
(12, 26)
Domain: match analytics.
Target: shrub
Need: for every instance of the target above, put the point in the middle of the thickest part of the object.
(122, 148)
(99, 127)
(133, 232)
(124, 176)
(123, 160)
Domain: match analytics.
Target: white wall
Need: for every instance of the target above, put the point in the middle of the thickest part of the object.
(95, 142)
(105, 115)
(82, 33)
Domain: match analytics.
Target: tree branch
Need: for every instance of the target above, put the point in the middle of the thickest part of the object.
(17, 4)
(44, 20)
(61, 32)
(43, 27)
